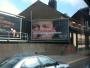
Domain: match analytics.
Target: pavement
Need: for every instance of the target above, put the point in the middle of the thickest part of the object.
(71, 58)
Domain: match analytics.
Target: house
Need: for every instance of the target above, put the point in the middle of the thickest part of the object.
(88, 3)
(40, 12)
(82, 27)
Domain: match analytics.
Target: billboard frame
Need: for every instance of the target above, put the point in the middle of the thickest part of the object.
(13, 16)
(51, 41)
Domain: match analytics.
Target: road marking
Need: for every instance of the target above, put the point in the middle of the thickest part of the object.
(77, 60)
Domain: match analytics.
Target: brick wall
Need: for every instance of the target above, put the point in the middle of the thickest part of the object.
(12, 49)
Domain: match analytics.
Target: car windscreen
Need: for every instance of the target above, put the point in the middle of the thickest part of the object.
(9, 63)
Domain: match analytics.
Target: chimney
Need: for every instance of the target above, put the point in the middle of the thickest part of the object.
(52, 4)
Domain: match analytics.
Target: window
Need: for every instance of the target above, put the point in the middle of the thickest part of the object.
(46, 61)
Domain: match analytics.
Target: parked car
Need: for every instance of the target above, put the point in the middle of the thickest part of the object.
(39, 61)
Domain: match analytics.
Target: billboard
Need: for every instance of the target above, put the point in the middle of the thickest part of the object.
(50, 30)
(9, 26)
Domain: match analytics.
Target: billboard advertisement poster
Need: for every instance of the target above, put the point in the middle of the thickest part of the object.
(9, 27)
(50, 30)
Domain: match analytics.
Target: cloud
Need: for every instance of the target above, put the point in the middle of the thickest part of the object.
(72, 2)
(28, 1)
(7, 6)
(32, 1)
(70, 7)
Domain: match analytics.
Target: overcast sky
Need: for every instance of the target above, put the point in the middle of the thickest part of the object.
(68, 7)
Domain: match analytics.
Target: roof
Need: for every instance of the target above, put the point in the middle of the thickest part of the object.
(82, 12)
(87, 2)
(39, 10)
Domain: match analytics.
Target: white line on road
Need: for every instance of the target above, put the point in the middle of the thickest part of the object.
(73, 61)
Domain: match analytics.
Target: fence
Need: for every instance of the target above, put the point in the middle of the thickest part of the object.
(18, 37)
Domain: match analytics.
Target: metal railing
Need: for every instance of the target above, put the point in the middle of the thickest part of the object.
(20, 36)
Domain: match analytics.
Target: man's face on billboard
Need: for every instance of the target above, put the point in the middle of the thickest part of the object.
(42, 30)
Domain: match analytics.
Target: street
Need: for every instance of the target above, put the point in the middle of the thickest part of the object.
(85, 63)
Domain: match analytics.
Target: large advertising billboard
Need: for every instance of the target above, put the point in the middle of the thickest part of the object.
(9, 26)
(50, 30)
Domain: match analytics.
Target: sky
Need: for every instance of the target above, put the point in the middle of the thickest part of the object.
(69, 7)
